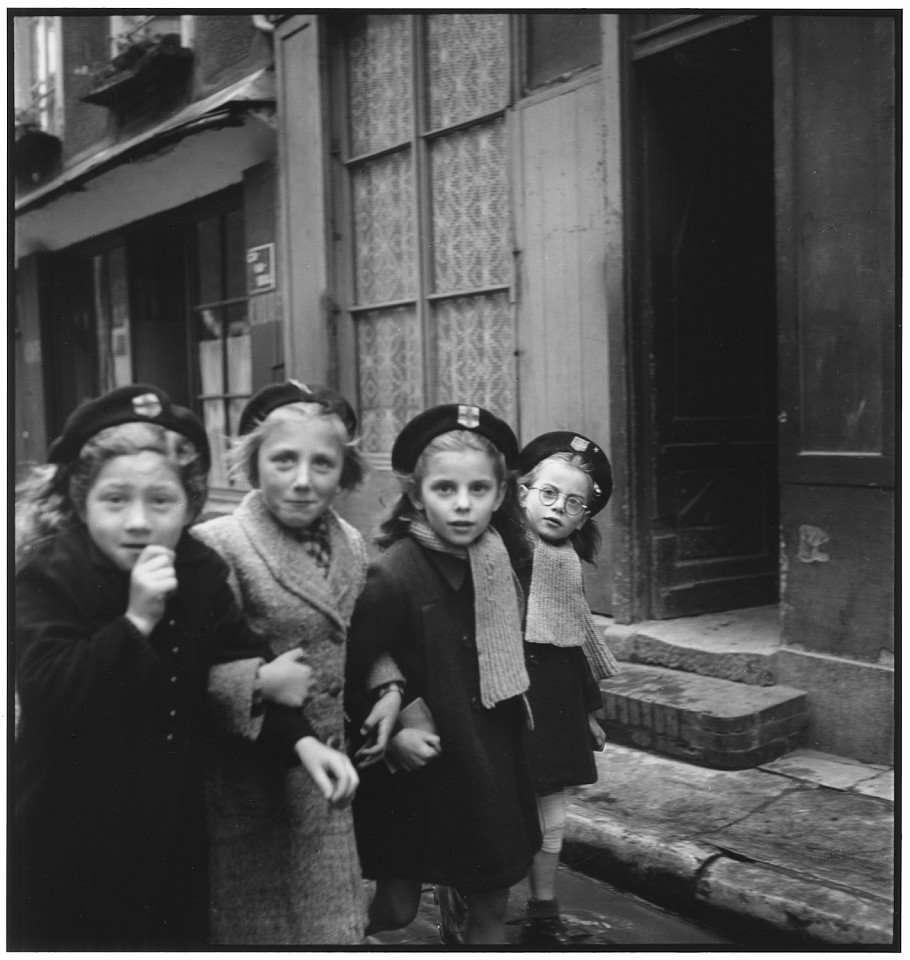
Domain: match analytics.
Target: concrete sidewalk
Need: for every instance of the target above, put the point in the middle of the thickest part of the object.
(800, 849)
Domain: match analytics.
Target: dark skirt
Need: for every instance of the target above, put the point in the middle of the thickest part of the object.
(559, 747)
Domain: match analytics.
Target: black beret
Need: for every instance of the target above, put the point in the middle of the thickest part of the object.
(563, 441)
(417, 433)
(137, 403)
(281, 394)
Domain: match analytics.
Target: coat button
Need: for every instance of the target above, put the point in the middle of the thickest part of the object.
(173, 679)
(334, 689)
(467, 642)
(532, 660)
(174, 649)
(169, 737)
(173, 713)
(476, 704)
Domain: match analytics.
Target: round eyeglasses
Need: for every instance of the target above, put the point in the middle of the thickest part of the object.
(549, 496)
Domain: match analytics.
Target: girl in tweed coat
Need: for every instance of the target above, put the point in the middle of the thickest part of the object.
(443, 600)
(284, 866)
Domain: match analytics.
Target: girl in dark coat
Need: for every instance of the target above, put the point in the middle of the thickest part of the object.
(119, 616)
(442, 599)
(566, 480)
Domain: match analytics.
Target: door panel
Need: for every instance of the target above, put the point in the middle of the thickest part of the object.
(709, 314)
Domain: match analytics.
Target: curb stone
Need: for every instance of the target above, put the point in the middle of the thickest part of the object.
(697, 873)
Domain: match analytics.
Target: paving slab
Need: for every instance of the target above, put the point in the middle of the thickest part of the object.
(841, 839)
(679, 798)
(881, 786)
(823, 769)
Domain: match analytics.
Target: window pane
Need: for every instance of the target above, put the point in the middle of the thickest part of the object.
(390, 362)
(120, 318)
(208, 244)
(475, 360)
(379, 82)
(234, 254)
(470, 208)
(385, 258)
(560, 43)
(215, 427)
(237, 345)
(468, 66)
(208, 333)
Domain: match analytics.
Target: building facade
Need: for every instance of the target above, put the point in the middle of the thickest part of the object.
(672, 232)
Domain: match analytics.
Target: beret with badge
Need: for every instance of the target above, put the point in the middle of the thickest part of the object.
(423, 428)
(292, 391)
(565, 441)
(136, 403)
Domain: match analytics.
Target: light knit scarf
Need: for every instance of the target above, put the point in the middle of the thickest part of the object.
(557, 610)
(497, 615)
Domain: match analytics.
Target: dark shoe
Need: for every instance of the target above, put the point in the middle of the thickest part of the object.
(543, 931)
(453, 911)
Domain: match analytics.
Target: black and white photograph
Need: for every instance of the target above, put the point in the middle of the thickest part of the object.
(453, 486)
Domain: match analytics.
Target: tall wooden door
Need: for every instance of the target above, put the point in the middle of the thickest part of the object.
(705, 293)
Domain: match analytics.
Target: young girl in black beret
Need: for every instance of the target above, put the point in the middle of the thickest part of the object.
(119, 616)
(442, 599)
(565, 480)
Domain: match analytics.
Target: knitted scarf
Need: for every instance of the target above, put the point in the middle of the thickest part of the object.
(557, 610)
(497, 616)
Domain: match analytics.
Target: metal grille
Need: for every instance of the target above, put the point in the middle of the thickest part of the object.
(379, 94)
(470, 208)
(476, 352)
(385, 257)
(468, 64)
(390, 374)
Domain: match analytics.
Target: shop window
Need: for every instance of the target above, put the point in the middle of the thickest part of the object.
(112, 318)
(557, 45)
(38, 94)
(424, 149)
(221, 331)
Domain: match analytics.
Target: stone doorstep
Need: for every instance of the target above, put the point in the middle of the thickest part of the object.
(736, 645)
(704, 720)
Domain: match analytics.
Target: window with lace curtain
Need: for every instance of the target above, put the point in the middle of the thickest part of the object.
(423, 146)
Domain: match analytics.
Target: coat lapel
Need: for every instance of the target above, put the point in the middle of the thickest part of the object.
(290, 565)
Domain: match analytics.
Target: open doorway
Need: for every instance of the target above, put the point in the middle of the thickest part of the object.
(703, 288)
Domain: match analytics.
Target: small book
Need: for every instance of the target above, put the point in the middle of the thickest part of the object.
(417, 716)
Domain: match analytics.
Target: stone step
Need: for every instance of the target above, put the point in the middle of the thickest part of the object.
(737, 645)
(704, 720)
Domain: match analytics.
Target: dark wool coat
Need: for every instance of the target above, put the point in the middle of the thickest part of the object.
(469, 818)
(108, 845)
(284, 864)
(563, 692)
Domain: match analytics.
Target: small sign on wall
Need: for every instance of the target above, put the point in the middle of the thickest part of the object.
(260, 268)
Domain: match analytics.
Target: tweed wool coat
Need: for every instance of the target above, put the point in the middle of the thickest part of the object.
(108, 839)
(284, 866)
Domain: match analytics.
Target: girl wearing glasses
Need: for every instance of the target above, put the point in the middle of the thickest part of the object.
(565, 480)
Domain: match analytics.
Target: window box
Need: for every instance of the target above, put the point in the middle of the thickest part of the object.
(150, 66)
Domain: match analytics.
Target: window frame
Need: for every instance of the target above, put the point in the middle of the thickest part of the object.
(418, 145)
(119, 34)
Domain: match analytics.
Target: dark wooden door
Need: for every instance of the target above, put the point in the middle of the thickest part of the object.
(707, 296)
